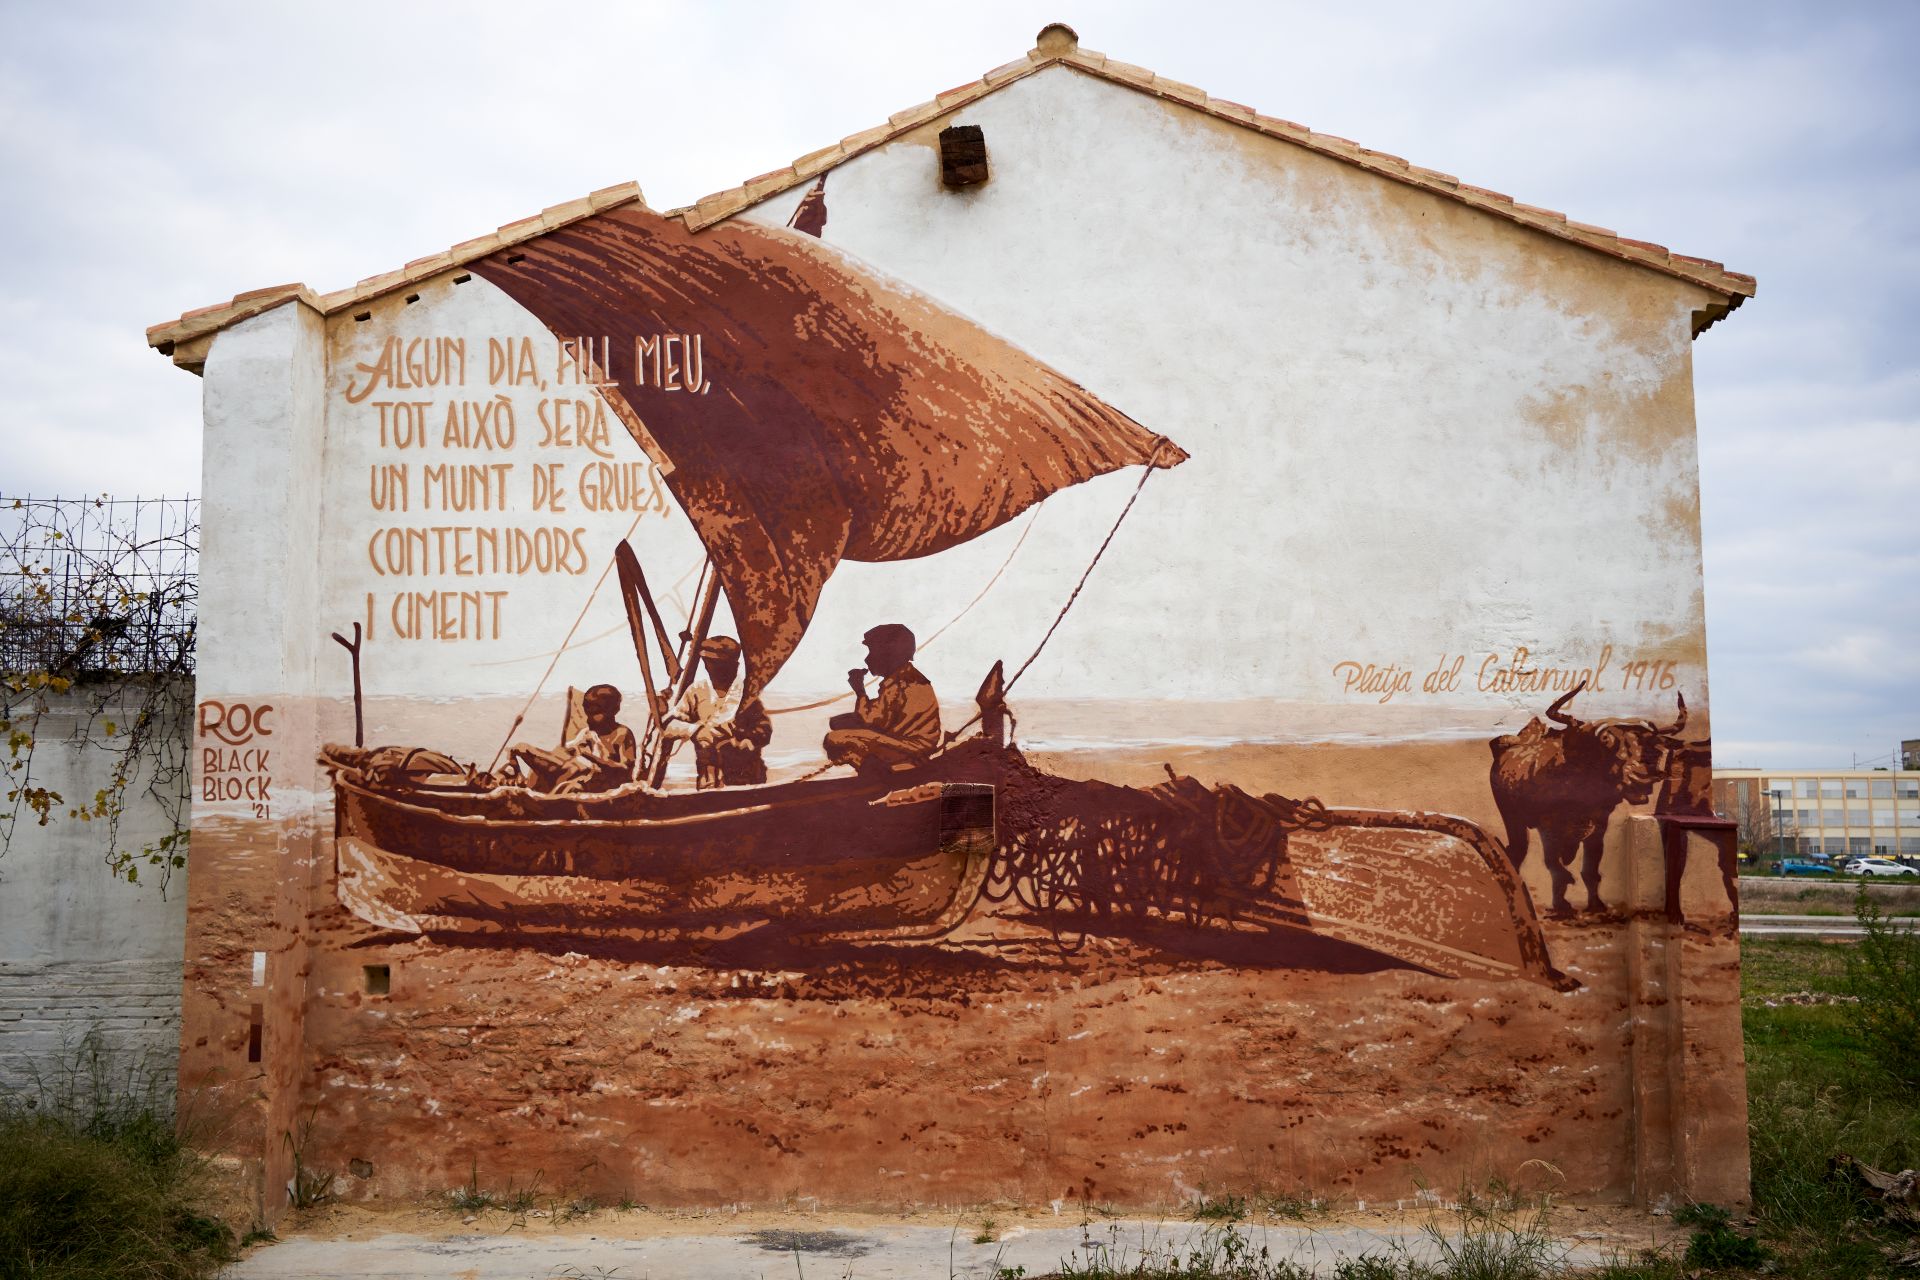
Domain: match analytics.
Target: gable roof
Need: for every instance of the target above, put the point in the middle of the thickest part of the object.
(187, 338)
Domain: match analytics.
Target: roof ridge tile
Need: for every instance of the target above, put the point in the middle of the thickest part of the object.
(1057, 45)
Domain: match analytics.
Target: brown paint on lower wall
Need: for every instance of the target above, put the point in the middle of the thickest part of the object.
(1007, 1062)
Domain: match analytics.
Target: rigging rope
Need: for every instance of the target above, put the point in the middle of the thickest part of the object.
(945, 627)
(1153, 464)
(578, 619)
(672, 597)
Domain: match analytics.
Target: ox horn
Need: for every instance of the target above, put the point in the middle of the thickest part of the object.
(1555, 712)
(1681, 722)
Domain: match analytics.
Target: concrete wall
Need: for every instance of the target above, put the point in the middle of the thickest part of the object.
(1441, 472)
(81, 950)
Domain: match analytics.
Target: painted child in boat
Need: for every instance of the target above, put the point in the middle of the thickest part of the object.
(598, 758)
(727, 734)
(900, 723)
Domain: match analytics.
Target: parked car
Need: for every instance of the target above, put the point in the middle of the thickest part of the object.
(1801, 867)
(1879, 867)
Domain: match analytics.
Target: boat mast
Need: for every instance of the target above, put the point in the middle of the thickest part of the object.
(696, 635)
(633, 586)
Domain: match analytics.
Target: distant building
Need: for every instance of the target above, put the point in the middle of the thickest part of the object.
(1824, 812)
(1910, 754)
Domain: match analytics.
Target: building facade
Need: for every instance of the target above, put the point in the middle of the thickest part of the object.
(1289, 763)
(1824, 813)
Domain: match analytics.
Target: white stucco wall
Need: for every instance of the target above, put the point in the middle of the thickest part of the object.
(81, 950)
(1415, 431)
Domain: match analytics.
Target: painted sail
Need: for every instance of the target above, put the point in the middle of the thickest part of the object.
(809, 410)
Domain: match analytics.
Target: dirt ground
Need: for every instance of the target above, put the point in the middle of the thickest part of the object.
(1144, 1068)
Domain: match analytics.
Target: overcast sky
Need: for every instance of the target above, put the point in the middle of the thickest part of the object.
(160, 157)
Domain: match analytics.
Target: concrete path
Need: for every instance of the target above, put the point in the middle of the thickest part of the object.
(878, 1253)
(1802, 926)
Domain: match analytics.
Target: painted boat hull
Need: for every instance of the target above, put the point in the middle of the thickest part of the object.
(908, 858)
(839, 859)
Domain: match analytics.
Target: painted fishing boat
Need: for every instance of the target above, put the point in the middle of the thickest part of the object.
(861, 421)
(912, 856)
(896, 859)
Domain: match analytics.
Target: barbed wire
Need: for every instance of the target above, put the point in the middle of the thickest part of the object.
(99, 610)
(96, 585)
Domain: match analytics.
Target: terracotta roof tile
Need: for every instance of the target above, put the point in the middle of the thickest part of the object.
(273, 290)
(1468, 189)
(1126, 71)
(618, 193)
(913, 116)
(1179, 92)
(1276, 127)
(865, 138)
(1057, 46)
(1007, 71)
(179, 338)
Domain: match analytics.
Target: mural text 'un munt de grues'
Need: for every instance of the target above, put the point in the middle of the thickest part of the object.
(1083, 643)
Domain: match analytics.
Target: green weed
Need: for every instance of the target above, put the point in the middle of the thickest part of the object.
(1217, 1252)
(96, 1181)
(308, 1187)
(1490, 1240)
(1813, 1092)
(1219, 1209)
(1883, 973)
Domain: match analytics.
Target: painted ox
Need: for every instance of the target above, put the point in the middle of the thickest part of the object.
(1565, 782)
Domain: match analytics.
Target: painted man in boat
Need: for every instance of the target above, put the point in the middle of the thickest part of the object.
(727, 734)
(600, 757)
(900, 723)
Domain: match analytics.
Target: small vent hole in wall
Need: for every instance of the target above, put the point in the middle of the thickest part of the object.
(362, 316)
(516, 257)
(379, 979)
(412, 298)
(461, 279)
(253, 1033)
(963, 156)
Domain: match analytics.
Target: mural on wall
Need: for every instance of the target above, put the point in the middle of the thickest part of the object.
(912, 696)
(803, 412)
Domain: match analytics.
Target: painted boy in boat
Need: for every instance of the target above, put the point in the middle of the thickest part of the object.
(598, 758)
(900, 723)
(727, 735)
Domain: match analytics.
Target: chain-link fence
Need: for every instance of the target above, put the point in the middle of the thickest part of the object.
(92, 587)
